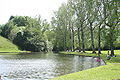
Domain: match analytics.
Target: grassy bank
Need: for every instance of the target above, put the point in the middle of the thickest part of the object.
(7, 47)
(111, 71)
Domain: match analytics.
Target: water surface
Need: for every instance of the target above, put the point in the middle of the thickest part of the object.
(41, 66)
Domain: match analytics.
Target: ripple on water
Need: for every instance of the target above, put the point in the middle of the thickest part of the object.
(43, 66)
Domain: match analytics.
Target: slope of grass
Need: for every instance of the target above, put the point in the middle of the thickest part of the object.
(111, 71)
(107, 72)
(7, 46)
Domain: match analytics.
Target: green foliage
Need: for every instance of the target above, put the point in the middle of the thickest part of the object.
(76, 25)
(26, 32)
(87, 24)
(14, 32)
(34, 40)
(19, 20)
(6, 29)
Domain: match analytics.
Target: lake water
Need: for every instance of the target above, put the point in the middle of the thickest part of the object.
(41, 66)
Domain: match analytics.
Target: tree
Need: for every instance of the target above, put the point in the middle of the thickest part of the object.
(90, 7)
(111, 12)
(19, 20)
(80, 11)
(34, 40)
(62, 27)
(6, 29)
(26, 32)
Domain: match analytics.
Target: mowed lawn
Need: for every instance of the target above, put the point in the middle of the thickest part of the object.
(7, 47)
(111, 71)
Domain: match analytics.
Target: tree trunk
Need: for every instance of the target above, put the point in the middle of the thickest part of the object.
(111, 41)
(99, 41)
(70, 38)
(73, 39)
(64, 42)
(79, 39)
(82, 37)
(71, 47)
(45, 47)
(92, 38)
(65, 37)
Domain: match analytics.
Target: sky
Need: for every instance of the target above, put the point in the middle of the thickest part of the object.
(32, 8)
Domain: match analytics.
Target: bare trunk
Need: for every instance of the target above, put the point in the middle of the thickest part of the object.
(92, 38)
(82, 37)
(45, 47)
(65, 34)
(99, 41)
(73, 39)
(64, 42)
(111, 41)
(79, 38)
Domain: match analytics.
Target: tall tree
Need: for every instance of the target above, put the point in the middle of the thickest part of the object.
(71, 22)
(79, 7)
(111, 11)
(91, 19)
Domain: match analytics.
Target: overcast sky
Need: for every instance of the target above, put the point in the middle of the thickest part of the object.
(32, 8)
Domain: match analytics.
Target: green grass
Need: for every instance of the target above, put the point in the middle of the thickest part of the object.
(7, 46)
(111, 71)
(107, 72)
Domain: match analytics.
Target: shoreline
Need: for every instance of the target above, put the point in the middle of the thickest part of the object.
(105, 72)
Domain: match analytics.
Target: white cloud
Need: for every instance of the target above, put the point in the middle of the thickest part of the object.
(44, 8)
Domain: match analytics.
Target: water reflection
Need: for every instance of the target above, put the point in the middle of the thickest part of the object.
(43, 66)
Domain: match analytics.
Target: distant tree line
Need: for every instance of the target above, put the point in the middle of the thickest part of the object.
(87, 25)
(77, 25)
